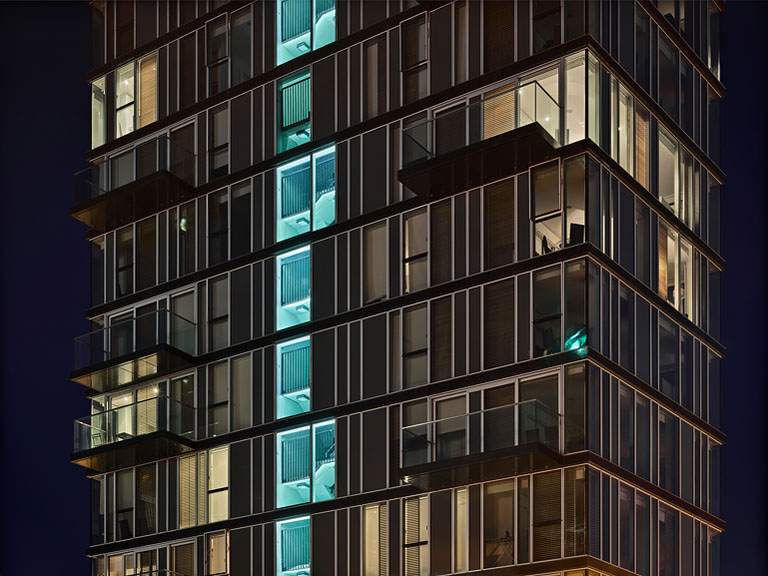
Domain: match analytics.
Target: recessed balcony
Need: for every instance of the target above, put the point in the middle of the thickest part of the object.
(469, 145)
(148, 178)
(493, 443)
(135, 433)
(134, 349)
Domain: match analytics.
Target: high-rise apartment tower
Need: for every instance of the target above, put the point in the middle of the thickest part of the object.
(400, 288)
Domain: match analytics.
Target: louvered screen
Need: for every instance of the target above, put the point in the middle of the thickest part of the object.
(145, 500)
(202, 486)
(295, 103)
(295, 18)
(546, 516)
(594, 512)
(668, 542)
(146, 411)
(295, 193)
(642, 141)
(295, 460)
(499, 23)
(500, 223)
(383, 540)
(413, 536)
(294, 372)
(147, 91)
(294, 547)
(325, 175)
(187, 491)
(499, 111)
(441, 332)
(450, 129)
(183, 560)
(499, 323)
(575, 502)
(294, 279)
(414, 83)
(499, 425)
(440, 242)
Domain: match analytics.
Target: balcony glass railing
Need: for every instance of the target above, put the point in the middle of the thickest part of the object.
(135, 335)
(498, 428)
(158, 155)
(157, 414)
(468, 124)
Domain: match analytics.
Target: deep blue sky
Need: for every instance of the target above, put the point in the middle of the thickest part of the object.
(44, 132)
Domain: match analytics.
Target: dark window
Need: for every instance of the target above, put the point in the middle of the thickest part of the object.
(546, 24)
(668, 76)
(218, 142)
(626, 328)
(546, 311)
(375, 69)
(575, 411)
(668, 357)
(98, 41)
(575, 305)
(146, 510)
(218, 313)
(686, 96)
(415, 346)
(218, 228)
(218, 398)
(217, 55)
(545, 194)
(241, 219)
(414, 59)
(626, 427)
(240, 43)
(643, 440)
(499, 523)
(187, 69)
(643, 534)
(575, 215)
(125, 21)
(375, 262)
(626, 527)
(668, 451)
(643, 242)
(146, 253)
(124, 503)
(124, 261)
(668, 541)
(441, 335)
(441, 253)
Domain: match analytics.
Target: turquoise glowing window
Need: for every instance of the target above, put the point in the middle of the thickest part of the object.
(292, 548)
(292, 271)
(294, 99)
(306, 194)
(304, 25)
(306, 464)
(293, 370)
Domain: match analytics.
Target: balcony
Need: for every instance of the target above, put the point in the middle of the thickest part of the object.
(151, 177)
(131, 434)
(471, 145)
(493, 443)
(134, 349)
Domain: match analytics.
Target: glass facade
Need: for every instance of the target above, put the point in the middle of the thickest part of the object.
(355, 308)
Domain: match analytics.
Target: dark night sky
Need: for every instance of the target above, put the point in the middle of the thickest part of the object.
(44, 133)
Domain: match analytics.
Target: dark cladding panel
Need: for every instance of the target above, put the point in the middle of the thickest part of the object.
(269, 382)
(269, 117)
(342, 192)
(240, 141)
(240, 552)
(474, 39)
(354, 362)
(375, 356)
(257, 552)
(240, 285)
(322, 382)
(323, 289)
(523, 218)
(374, 170)
(474, 527)
(258, 467)
(269, 296)
(460, 333)
(474, 231)
(354, 84)
(258, 133)
(258, 386)
(162, 481)
(240, 478)
(341, 457)
(393, 515)
(440, 532)
(394, 257)
(474, 330)
(375, 11)
(341, 542)
(354, 542)
(162, 82)
(173, 493)
(354, 269)
(322, 531)
(353, 193)
(341, 365)
(146, 22)
(341, 79)
(460, 236)
(394, 68)
(323, 98)
(354, 454)
(523, 317)
(440, 48)
(256, 30)
(269, 473)
(374, 450)
(341, 269)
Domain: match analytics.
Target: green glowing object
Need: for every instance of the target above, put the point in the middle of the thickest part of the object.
(577, 340)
